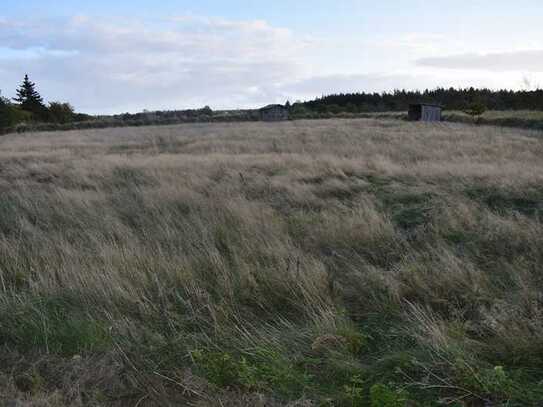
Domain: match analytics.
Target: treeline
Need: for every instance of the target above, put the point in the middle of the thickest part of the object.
(28, 107)
(28, 112)
(205, 114)
(399, 100)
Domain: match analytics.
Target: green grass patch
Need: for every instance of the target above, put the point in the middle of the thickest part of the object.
(256, 370)
(52, 325)
(527, 202)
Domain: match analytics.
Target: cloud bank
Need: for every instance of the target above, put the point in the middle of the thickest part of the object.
(131, 65)
(115, 65)
(531, 61)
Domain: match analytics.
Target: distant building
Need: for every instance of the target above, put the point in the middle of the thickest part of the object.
(425, 112)
(274, 113)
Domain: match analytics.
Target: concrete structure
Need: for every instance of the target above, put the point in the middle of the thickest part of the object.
(274, 113)
(425, 112)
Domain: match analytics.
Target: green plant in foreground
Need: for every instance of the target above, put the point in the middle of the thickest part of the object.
(356, 342)
(354, 391)
(380, 395)
(262, 370)
(220, 368)
(52, 326)
(383, 396)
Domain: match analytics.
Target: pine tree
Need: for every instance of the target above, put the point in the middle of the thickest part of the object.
(29, 98)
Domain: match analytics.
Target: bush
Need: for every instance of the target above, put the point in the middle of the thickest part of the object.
(11, 115)
(383, 396)
(60, 112)
(475, 110)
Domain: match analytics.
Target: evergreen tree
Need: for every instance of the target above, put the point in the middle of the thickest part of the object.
(451, 98)
(29, 98)
(476, 110)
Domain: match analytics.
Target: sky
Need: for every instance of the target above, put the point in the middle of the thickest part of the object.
(114, 56)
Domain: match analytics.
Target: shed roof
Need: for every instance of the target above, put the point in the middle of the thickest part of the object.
(427, 104)
(275, 106)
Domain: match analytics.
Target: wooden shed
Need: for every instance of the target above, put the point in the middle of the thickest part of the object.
(274, 113)
(425, 112)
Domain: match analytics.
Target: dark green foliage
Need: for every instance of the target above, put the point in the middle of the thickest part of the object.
(527, 202)
(11, 115)
(410, 210)
(383, 396)
(30, 111)
(299, 111)
(259, 370)
(206, 111)
(56, 325)
(4, 113)
(30, 100)
(475, 110)
(60, 112)
(452, 99)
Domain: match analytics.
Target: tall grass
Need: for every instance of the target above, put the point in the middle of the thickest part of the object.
(340, 262)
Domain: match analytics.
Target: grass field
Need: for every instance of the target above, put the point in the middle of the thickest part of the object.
(522, 119)
(527, 119)
(309, 263)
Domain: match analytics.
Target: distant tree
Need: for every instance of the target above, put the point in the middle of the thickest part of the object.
(60, 112)
(476, 110)
(333, 108)
(4, 112)
(11, 115)
(299, 111)
(288, 105)
(451, 98)
(207, 111)
(351, 108)
(30, 100)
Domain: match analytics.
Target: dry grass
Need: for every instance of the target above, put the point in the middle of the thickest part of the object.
(198, 264)
(526, 119)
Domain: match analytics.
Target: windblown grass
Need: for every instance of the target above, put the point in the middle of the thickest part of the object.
(340, 262)
(526, 119)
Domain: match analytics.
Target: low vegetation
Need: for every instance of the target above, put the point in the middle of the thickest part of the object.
(353, 262)
(525, 119)
(28, 111)
(452, 98)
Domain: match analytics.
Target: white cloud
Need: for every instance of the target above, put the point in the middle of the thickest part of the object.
(322, 85)
(104, 66)
(426, 42)
(528, 61)
(115, 65)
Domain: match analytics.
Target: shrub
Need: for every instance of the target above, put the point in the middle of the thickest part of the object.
(383, 396)
(11, 115)
(60, 112)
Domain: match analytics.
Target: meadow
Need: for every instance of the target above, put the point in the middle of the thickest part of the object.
(348, 262)
(526, 119)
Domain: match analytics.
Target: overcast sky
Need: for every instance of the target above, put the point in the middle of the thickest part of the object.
(111, 56)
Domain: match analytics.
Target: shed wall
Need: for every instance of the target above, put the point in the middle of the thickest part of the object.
(415, 112)
(274, 114)
(431, 114)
